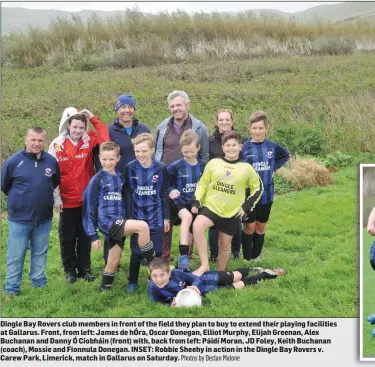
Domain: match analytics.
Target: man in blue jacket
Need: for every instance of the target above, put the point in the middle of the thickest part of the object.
(167, 142)
(125, 128)
(28, 178)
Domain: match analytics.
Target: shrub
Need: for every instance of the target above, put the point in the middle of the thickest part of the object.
(303, 173)
(337, 160)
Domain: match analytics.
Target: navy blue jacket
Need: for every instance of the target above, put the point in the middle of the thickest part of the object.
(118, 134)
(29, 184)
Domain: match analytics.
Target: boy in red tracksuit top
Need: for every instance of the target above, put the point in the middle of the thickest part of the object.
(73, 149)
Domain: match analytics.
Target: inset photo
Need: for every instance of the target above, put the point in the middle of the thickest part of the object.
(367, 261)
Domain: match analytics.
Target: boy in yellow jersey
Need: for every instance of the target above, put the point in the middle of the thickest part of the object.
(221, 198)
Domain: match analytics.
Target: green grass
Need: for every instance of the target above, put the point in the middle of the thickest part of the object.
(368, 301)
(305, 235)
(316, 105)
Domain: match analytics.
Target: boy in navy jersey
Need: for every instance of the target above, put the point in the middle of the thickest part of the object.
(183, 177)
(165, 284)
(146, 188)
(103, 207)
(266, 157)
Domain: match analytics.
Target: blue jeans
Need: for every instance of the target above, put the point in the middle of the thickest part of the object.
(18, 241)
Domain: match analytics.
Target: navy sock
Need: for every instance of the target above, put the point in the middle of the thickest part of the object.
(247, 245)
(184, 250)
(258, 242)
(148, 251)
(107, 280)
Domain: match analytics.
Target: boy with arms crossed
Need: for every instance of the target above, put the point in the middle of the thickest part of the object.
(183, 177)
(103, 207)
(221, 195)
(146, 190)
(165, 284)
(266, 157)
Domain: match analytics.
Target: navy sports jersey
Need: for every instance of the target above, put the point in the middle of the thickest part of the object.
(179, 280)
(102, 203)
(184, 177)
(266, 157)
(147, 189)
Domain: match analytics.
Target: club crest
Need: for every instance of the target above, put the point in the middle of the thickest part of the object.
(269, 154)
(155, 178)
(48, 172)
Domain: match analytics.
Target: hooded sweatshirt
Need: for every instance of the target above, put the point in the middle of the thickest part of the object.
(75, 159)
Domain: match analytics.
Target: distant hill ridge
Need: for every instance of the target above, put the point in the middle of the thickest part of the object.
(19, 19)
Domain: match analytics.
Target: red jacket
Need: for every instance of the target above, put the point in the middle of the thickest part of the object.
(77, 169)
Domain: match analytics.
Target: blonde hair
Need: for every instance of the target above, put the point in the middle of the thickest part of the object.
(108, 146)
(188, 137)
(142, 138)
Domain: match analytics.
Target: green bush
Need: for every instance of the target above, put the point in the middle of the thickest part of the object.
(337, 160)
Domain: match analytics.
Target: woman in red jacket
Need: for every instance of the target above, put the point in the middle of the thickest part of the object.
(73, 149)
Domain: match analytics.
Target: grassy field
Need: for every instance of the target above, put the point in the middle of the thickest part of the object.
(368, 300)
(312, 233)
(312, 101)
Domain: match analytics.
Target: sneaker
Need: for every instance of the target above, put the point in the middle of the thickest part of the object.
(213, 260)
(236, 255)
(183, 262)
(279, 271)
(71, 278)
(88, 276)
(131, 288)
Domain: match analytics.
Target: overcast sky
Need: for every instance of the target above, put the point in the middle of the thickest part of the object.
(156, 6)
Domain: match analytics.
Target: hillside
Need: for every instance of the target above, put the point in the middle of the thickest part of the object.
(19, 19)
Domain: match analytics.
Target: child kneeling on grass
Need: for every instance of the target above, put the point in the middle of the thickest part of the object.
(165, 284)
(103, 207)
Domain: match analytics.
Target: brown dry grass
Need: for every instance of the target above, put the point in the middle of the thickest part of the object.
(303, 173)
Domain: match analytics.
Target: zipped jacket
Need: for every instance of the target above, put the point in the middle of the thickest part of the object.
(29, 183)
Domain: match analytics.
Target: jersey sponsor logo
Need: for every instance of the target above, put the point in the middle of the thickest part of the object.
(145, 190)
(19, 164)
(80, 156)
(113, 196)
(48, 172)
(62, 159)
(261, 166)
(269, 154)
(155, 178)
(224, 187)
(189, 188)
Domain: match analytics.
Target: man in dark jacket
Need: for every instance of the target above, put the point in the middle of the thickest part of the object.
(125, 128)
(28, 178)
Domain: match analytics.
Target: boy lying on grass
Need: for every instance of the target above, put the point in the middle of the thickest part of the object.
(165, 284)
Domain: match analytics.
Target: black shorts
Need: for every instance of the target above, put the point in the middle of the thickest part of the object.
(175, 209)
(116, 233)
(261, 213)
(226, 225)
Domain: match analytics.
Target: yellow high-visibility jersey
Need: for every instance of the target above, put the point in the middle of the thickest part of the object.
(222, 187)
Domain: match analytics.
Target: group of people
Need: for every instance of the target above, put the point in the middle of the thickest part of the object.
(122, 181)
